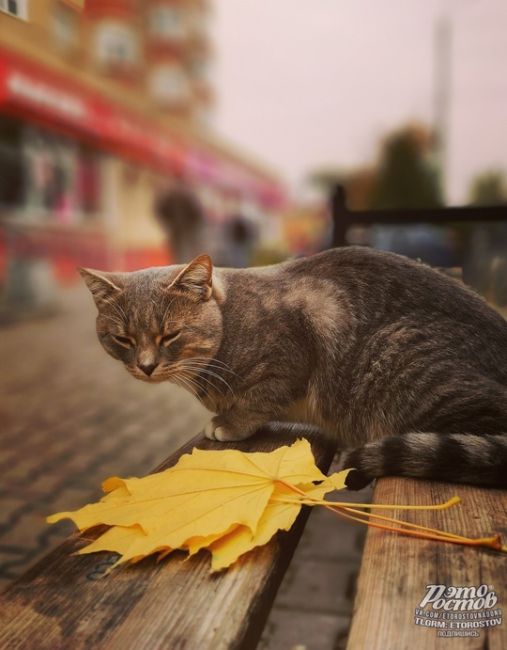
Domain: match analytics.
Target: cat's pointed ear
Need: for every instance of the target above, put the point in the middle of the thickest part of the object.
(103, 286)
(196, 278)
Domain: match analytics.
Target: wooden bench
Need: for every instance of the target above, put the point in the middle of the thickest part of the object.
(395, 570)
(66, 601)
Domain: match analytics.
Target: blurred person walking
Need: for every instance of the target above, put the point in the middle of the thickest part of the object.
(181, 216)
(240, 238)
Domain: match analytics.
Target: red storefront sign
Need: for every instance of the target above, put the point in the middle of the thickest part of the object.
(41, 95)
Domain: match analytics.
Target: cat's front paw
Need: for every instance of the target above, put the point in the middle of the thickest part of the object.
(218, 430)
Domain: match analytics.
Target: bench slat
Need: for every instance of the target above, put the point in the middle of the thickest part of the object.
(395, 570)
(66, 602)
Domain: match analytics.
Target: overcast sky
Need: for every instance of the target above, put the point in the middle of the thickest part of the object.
(309, 83)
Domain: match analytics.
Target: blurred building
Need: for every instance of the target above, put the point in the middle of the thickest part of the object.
(104, 104)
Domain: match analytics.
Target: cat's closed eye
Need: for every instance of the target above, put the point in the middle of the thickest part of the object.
(125, 341)
(169, 338)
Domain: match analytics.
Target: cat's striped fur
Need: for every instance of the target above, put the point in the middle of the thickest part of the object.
(400, 361)
(453, 457)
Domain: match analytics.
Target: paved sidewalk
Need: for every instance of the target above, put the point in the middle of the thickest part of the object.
(72, 416)
(313, 607)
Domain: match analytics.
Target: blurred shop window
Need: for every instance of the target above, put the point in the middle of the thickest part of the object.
(16, 8)
(88, 183)
(65, 26)
(170, 85)
(47, 175)
(167, 24)
(116, 44)
(61, 178)
(11, 165)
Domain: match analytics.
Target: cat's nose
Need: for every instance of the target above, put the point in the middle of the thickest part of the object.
(147, 368)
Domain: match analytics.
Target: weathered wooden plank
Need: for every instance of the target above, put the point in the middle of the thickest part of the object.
(395, 570)
(66, 602)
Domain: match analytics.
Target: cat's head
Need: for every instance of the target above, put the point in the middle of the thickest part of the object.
(162, 323)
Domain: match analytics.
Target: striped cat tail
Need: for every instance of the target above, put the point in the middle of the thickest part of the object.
(453, 458)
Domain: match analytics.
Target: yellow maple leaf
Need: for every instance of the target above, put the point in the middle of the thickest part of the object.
(204, 495)
(128, 541)
(229, 502)
(280, 514)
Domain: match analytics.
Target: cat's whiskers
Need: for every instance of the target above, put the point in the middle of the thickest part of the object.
(198, 390)
(214, 363)
(218, 388)
(221, 365)
(190, 374)
(183, 381)
(195, 378)
(217, 362)
(179, 377)
(202, 369)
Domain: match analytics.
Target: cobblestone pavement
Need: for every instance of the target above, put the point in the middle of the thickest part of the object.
(313, 607)
(71, 416)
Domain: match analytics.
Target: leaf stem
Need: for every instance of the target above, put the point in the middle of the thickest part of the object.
(413, 530)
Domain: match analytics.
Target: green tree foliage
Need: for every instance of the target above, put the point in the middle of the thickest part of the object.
(488, 188)
(405, 178)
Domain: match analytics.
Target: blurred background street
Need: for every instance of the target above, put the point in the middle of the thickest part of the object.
(141, 133)
(70, 418)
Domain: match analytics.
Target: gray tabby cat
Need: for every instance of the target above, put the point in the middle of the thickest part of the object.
(383, 351)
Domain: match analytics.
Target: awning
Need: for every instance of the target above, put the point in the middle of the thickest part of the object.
(36, 93)
(42, 95)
